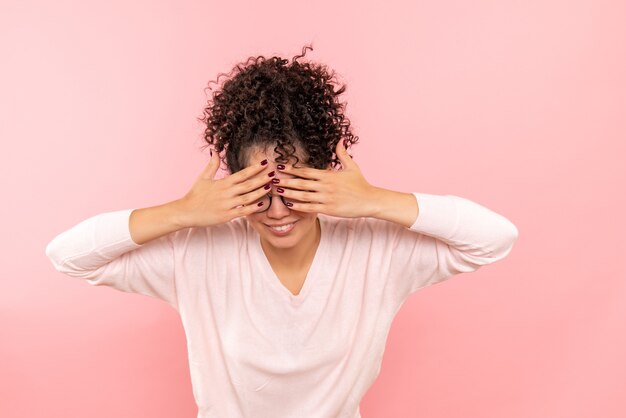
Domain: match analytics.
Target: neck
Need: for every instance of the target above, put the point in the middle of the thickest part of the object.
(294, 258)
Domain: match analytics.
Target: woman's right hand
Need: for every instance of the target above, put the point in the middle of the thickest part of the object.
(211, 202)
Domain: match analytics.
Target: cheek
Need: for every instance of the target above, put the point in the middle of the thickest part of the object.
(309, 218)
(255, 219)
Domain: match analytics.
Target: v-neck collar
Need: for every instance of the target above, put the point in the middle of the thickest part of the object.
(312, 274)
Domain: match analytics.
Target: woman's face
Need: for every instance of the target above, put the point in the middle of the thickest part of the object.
(279, 213)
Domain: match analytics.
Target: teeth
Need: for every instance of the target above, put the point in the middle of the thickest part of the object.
(282, 228)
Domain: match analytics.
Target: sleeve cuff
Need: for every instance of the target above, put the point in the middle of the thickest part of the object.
(438, 215)
(116, 230)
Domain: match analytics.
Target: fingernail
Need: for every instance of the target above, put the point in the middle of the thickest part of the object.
(275, 181)
(280, 166)
(264, 162)
(288, 204)
(271, 174)
(280, 189)
(267, 187)
(260, 204)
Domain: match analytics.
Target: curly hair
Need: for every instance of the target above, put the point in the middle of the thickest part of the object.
(270, 102)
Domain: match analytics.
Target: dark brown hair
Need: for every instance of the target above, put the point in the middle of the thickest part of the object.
(269, 102)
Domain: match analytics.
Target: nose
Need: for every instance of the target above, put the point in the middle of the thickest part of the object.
(277, 208)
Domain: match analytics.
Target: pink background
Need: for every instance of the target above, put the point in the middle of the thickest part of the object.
(517, 105)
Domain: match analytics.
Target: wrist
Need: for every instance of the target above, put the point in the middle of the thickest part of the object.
(176, 214)
(398, 207)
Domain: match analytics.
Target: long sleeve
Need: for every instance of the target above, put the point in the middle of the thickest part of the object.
(100, 249)
(451, 235)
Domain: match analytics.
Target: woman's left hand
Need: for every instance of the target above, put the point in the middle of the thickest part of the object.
(343, 193)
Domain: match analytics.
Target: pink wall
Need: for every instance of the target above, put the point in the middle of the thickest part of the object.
(518, 105)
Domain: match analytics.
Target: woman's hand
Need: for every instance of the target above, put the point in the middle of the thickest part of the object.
(211, 202)
(344, 193)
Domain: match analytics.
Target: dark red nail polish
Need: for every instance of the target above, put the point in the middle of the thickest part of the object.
(288, 204)
(275, 181)
(264, 162)
(280, 189)
(260, 204)
(267, 187)
(271, 174)
(280, 166)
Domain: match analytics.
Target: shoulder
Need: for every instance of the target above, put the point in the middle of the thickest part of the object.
(235, 230)
(363, 227)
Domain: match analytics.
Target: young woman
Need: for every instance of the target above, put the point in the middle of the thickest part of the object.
(288, 272)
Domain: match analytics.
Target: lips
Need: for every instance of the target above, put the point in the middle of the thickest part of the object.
(287, 223)
(282, 233)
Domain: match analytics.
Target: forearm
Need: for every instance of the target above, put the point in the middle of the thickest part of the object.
(398, 207)
(153, 222)
(474, 230)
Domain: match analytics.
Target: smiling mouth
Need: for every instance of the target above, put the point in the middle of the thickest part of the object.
(283, 231)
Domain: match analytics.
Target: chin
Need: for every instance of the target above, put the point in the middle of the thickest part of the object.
(282, 242)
